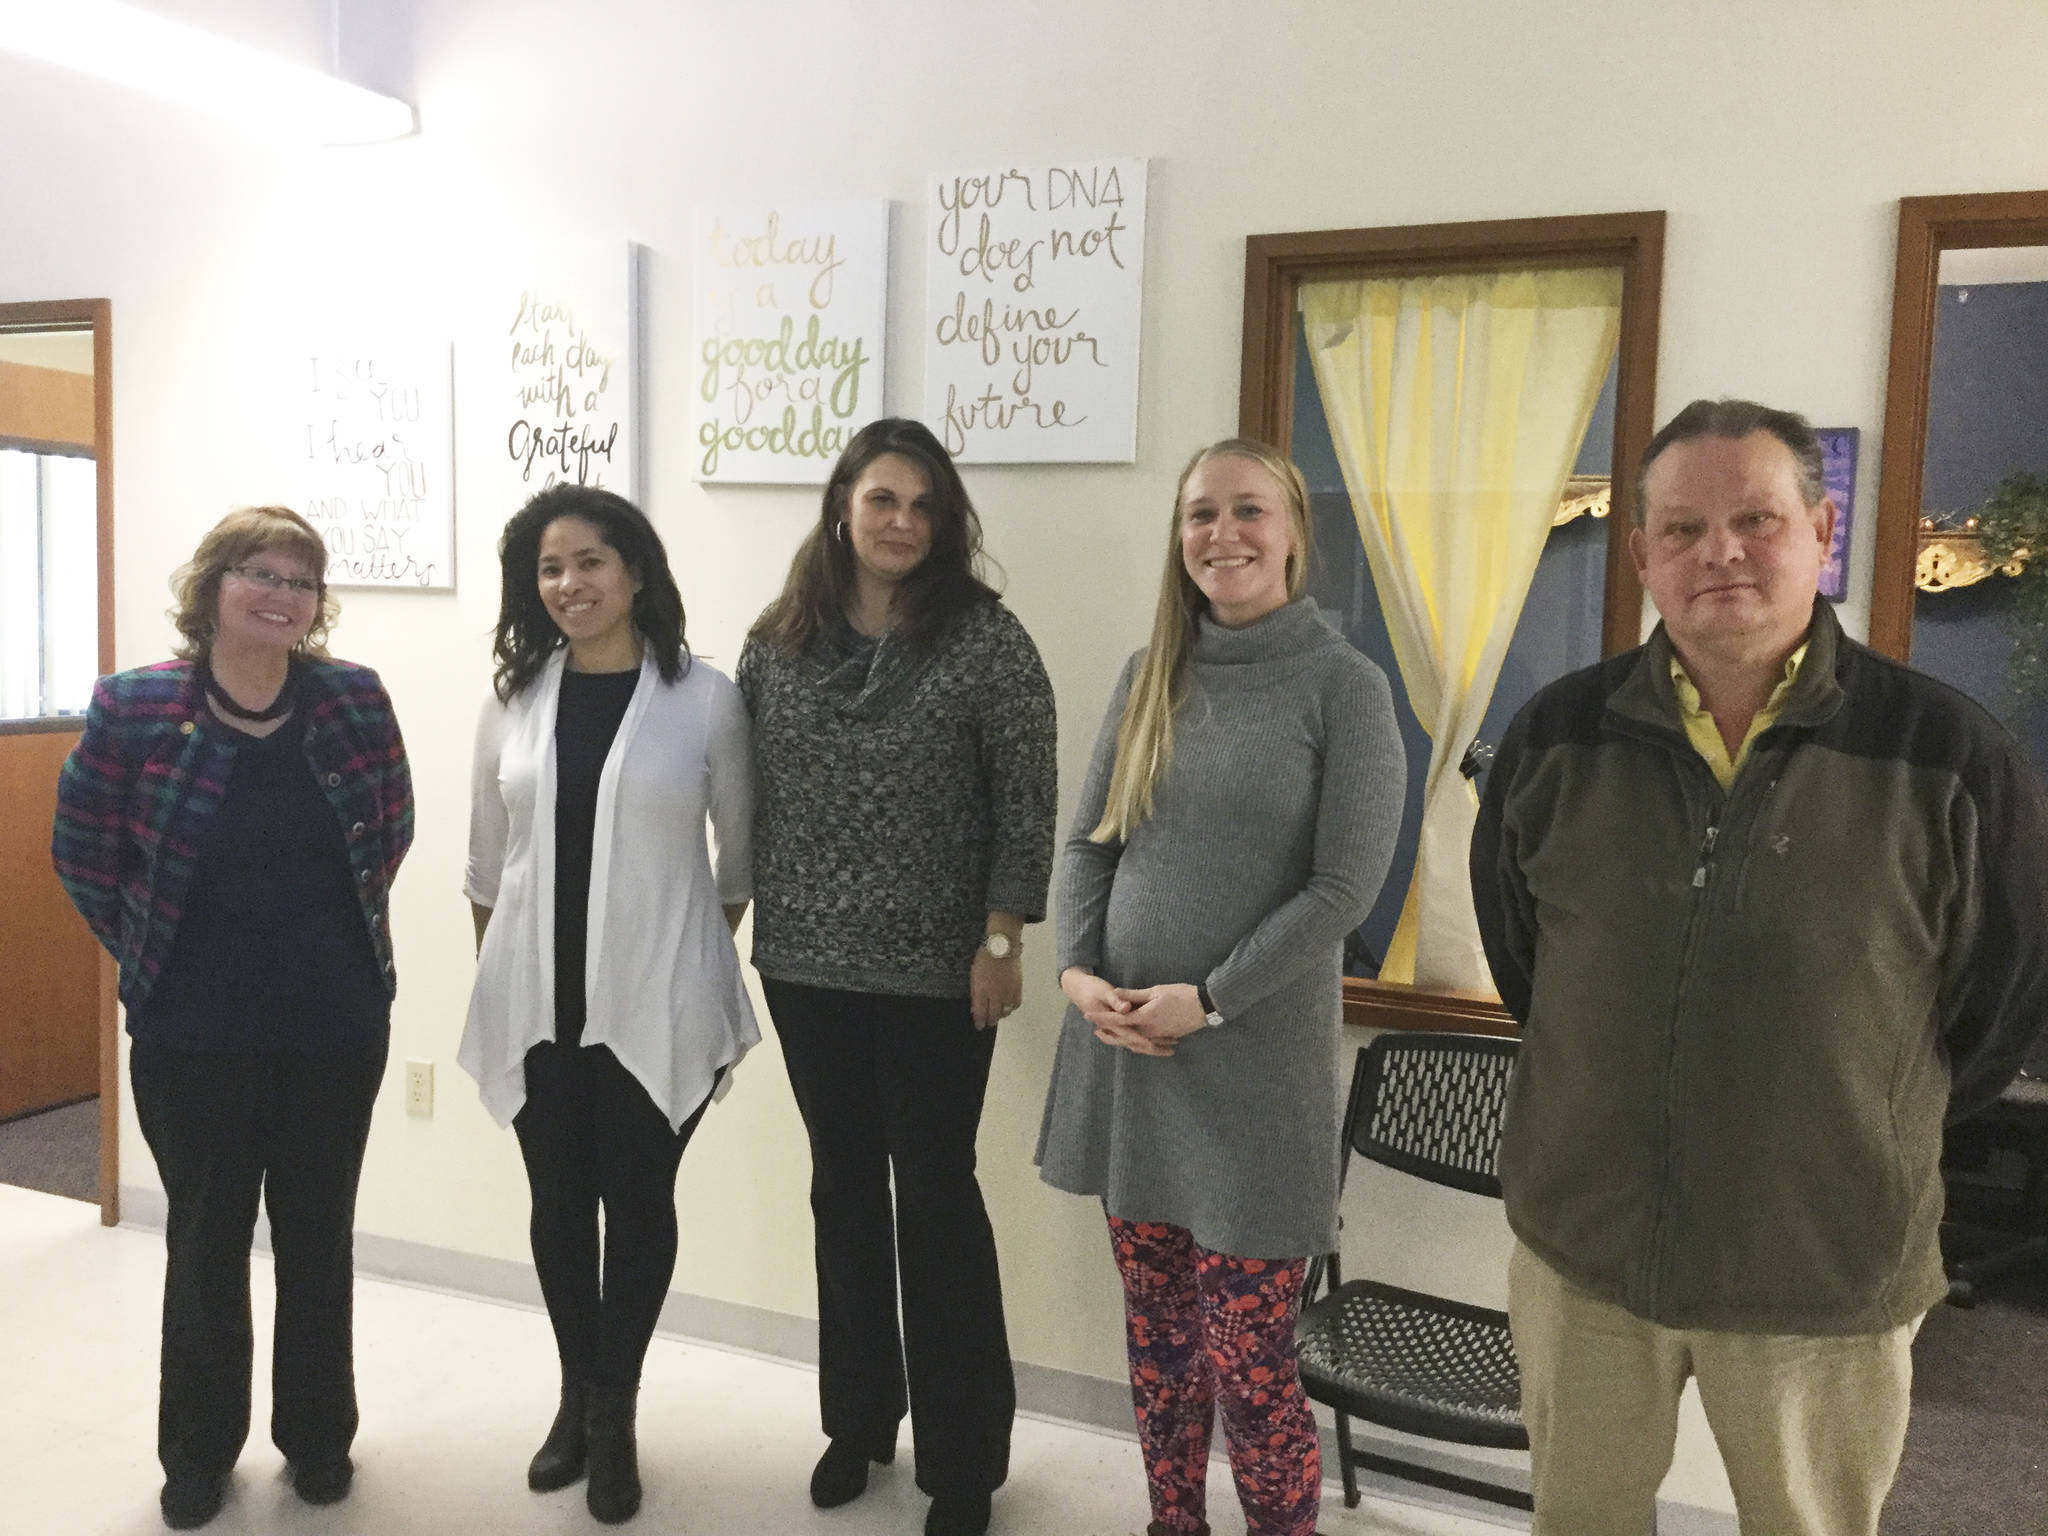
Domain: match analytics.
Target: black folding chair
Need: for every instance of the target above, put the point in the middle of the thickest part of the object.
(1428, 1105)
(1995, 1165)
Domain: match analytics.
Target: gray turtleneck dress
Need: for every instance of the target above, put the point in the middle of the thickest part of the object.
(1271, 830)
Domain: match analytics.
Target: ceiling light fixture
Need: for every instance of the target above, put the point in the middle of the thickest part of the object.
(208, 73)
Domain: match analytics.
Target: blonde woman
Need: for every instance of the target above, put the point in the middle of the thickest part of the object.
(1237, 819)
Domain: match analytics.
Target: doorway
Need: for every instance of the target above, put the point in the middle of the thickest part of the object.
(58, 1062)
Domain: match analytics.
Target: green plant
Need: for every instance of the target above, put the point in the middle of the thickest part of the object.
(2014, 528)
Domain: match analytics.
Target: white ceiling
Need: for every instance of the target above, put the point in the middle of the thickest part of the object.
(69, 350)
(1994, 264)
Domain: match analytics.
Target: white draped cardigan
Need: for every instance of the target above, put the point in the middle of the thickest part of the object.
(661, 976)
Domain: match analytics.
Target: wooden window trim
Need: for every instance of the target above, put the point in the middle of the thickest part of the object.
(1391, 1005)
(1277, 265)
(1275, 268)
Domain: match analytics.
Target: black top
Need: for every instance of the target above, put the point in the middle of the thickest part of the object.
(272, 953)
(586, 720)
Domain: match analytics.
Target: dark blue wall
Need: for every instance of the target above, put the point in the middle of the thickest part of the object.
(1988, 398)
(1964, 637)
(1987, 417)
(1559, 629)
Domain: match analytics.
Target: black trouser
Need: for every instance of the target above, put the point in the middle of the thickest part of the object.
(887, 1081)
(226, 1127)
(591, 1136)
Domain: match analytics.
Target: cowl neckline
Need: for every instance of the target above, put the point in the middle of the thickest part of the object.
(1285, 634)
(864, 676)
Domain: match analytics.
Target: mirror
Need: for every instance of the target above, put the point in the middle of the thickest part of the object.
(1978, 607)
(1980, 240)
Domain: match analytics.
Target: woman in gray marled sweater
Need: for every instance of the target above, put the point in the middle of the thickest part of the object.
(1237, 820)
(903, 831)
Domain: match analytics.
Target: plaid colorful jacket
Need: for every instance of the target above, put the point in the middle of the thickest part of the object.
(148, 773)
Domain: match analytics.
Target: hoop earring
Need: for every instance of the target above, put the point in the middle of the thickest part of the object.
(840, 528)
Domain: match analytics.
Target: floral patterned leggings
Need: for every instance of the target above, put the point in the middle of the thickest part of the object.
(1209, 1330)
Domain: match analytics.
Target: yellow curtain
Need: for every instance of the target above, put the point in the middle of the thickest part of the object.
(1456, 404)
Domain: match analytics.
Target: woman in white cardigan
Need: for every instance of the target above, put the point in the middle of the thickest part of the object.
(608, 1004)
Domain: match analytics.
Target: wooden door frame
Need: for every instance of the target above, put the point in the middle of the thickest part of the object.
(1927, 227)
(1275, 267)
(76, 314)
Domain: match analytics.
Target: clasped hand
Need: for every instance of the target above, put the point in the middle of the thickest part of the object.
(1146, 1021)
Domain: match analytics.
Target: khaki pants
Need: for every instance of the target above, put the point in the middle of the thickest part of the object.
(1810, 1428)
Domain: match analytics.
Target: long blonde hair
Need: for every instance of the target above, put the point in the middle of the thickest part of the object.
(1144, 737)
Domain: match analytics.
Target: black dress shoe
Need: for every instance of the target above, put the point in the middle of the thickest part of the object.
(613, 1494)
(957, 1514)
(841, 1475)
(323, 1479)
(190, 1499)
(559, 1461)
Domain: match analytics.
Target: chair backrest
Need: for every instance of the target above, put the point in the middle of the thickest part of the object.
(1431, 1105)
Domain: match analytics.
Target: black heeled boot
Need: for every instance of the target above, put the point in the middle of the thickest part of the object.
(559, 1461)
(957, 1514)
(614, 1491)
(841, 1475)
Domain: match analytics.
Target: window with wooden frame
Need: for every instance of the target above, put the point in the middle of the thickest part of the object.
(1276, 268)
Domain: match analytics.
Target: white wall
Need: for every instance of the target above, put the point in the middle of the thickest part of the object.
(1777, 136)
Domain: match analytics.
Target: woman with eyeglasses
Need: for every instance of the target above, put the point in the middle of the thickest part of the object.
(608, 1003)
(229, 825)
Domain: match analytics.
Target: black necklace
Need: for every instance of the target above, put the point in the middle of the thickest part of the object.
(279, 706)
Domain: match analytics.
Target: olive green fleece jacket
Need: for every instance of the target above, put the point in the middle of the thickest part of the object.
(1746, 1014)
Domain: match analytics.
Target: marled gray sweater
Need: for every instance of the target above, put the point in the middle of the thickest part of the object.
(1271, 831)
(899, 799)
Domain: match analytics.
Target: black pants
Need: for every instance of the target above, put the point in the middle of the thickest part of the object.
(591, 1136)
(897, 1082)
(227, 1127)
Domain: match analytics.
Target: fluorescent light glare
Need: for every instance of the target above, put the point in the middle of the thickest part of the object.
(147, 52)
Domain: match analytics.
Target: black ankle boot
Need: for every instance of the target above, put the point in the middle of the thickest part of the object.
(323, 1478)
(841, 1475)
(559, 1461)
(614, 1491)
(957, 1514)
(190, 1499)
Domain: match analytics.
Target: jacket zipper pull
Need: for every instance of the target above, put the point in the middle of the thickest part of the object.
(1699, 876)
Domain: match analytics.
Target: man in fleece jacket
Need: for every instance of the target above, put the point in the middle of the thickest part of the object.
(1770, 908)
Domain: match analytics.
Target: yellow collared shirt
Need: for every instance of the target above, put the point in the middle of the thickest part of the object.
(1706, 736)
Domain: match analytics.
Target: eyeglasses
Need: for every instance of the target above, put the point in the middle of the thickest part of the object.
(270, 581)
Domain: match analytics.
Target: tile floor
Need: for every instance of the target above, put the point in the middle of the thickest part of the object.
(455, 1393)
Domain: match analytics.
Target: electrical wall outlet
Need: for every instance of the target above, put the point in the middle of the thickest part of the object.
(419, 1089)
